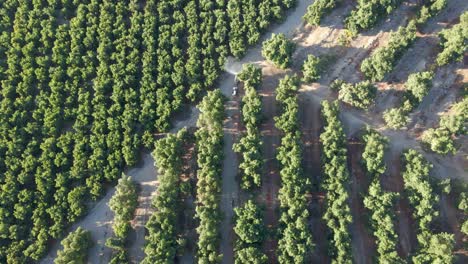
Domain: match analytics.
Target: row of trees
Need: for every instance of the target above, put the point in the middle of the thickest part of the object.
(251, 233)
(209, 140)
(161, 241)
(83, 87)
(433, 248)
(36, 199)
(383, 60)
(336, 178)
(454, 42)
(440, 139)
(249, 18)
(318, 9)
(250, 143)
(379, 202)
(416, 88)
(295, 242)
(367, 13)
(123, 203)
(463, 206)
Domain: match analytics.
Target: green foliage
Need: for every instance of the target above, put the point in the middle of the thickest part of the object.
(441, 139)
(249, 145)
(383, 59)
(368, 12)
(464, 227)
(463, 202)
(438, 248)
(417, 86)
(430, 9)
(396, 118)
(317, 10)
(84, 84)
(295, 240)
(311, 69)
(161, 246)
(250, 231)
(123, 204)
(454, 42)
(420, 193)
(278, 49)
(433, 248)
(359, 95)
(209, 157)
(378, 201)
(249, 224)
(250, 255)
(336, 177)
(373, 155)
(249, 18)
(75, 247)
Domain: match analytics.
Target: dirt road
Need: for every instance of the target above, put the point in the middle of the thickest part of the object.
(311, 123)
(230, 187)
(363, 244)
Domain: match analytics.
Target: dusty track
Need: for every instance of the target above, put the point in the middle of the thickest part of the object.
(309, 115)
(392, 181)
(363, 244)
(271, 180)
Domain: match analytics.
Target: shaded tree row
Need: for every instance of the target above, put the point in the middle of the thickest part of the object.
(295, 241)
(336, 179)
(250, 143)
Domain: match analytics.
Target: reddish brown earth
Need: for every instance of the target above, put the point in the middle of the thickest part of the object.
(270, 179)
(393, 181)
(363, 242)
(309, 115)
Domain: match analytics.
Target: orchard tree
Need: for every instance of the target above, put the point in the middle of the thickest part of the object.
(75, 247)
(278, 49)
(317, 10)
(311, 69)
(123, 204)
(359, 95)
(454, 42)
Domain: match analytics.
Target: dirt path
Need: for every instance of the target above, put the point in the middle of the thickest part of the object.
(230, 187)
(271, 180)
(311, 123)
(392, 181)
(363, 244)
